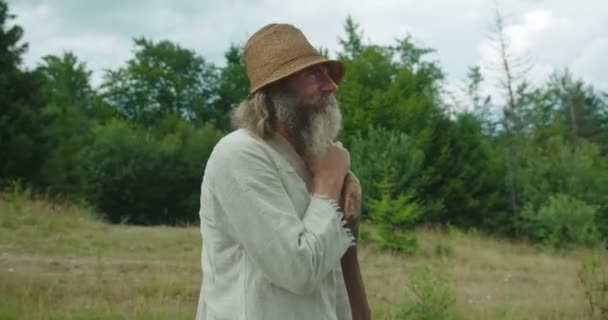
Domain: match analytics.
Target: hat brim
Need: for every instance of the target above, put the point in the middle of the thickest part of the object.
(336, 70)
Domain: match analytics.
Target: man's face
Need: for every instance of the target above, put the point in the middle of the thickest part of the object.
(309, 111)
(311, 84)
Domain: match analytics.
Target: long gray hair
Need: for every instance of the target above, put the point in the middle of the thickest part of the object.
(255, 114)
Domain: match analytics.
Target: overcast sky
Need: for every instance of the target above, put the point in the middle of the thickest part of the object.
(555, 34)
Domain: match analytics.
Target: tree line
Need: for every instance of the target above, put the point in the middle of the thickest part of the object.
(534, 166)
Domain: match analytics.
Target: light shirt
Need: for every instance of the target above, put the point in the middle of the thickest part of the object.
(271, 249)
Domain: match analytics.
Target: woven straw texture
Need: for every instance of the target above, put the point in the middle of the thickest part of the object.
(279, 50)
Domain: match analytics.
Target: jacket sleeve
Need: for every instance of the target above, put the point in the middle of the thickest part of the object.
(293, 253)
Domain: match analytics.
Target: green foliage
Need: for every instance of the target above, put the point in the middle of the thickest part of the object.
(20, 105)
(433, 296)
(393, 213)
(10, 36)
(384, 153)
(465, 175)
(136, 176)
(397, 88)
(555, 167)
(163, 78)
(368, 77)
(581, 111)
(480, 104)
(444, 250)
(352, 46)
(561, 221)
(67, 117)
(593, 276)
(232, 87)
(394, 87)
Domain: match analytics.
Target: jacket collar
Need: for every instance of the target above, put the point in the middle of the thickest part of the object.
(285, 149)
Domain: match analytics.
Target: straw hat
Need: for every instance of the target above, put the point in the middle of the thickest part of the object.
(279, 50)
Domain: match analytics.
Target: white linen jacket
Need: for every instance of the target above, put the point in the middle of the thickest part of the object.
(271, 249)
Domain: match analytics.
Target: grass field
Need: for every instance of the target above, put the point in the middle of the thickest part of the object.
(60, 262)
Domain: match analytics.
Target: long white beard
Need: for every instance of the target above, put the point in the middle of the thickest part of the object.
(314, 126)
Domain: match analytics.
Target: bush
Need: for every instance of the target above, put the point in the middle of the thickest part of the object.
(556, 167)
(135, 176)
(389, 154)
(394, 214)
(561, 221)
(388, 164)
(433, 297)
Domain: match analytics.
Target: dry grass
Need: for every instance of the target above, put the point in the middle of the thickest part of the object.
(491, 278)
(59, 262)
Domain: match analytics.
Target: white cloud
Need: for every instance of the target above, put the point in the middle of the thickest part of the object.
(544, 40)
(591, 64)
(556, 33)
(537, 21)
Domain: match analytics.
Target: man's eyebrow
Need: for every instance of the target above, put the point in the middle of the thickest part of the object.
(316, 67)
(311, 68)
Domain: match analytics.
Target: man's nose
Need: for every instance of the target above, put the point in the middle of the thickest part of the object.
(328, 85)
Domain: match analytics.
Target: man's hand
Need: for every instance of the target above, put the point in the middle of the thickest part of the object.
(329, 170)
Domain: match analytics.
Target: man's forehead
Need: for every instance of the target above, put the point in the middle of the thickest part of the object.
(299, 76)
(315, 67)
